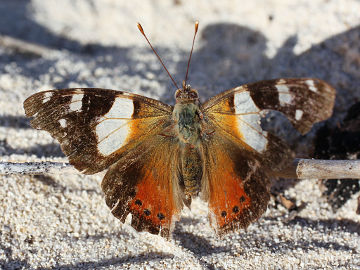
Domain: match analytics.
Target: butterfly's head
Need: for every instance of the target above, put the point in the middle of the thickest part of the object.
(186, 94)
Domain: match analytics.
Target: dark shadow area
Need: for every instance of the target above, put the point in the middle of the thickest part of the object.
(14, 264)
(50, 182)
(199, 246)
(323, 225)
(339, 191)
(26, 29)
(226, 55)
(288, 245)
(45, 150)
(345, 225)
(11, 263)
(280, 245)
(23, 264)
(146, 257)
(340, 142)
(12, 121)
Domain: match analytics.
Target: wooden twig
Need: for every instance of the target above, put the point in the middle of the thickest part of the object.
(322, 169)
(301, 169)
(35, 167)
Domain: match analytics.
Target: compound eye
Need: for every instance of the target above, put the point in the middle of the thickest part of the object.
(193, 95)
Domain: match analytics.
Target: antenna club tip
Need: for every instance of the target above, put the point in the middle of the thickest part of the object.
(196, 25)
(140, 28)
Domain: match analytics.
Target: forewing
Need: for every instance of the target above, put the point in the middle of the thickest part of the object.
(95, 127)
(303, 101)
(234, 185)
(145, 183)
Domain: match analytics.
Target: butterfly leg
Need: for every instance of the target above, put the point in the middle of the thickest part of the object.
(169, 131)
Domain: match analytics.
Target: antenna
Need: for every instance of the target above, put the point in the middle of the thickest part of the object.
(192, 47)
(142, 32)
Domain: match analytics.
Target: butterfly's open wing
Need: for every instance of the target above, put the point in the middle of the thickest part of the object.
(235, 146)
(98, 128)
(234, 184)
(303, 101)
(237, 113)
(145, 183)
(95, 127)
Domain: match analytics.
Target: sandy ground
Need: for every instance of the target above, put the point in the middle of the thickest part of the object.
(62, 222)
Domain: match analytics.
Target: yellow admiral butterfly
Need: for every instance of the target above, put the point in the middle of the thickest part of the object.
(159, 156)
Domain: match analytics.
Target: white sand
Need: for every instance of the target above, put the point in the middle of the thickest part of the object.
(61, 221)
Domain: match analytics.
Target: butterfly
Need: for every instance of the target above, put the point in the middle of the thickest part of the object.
(159, 157)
